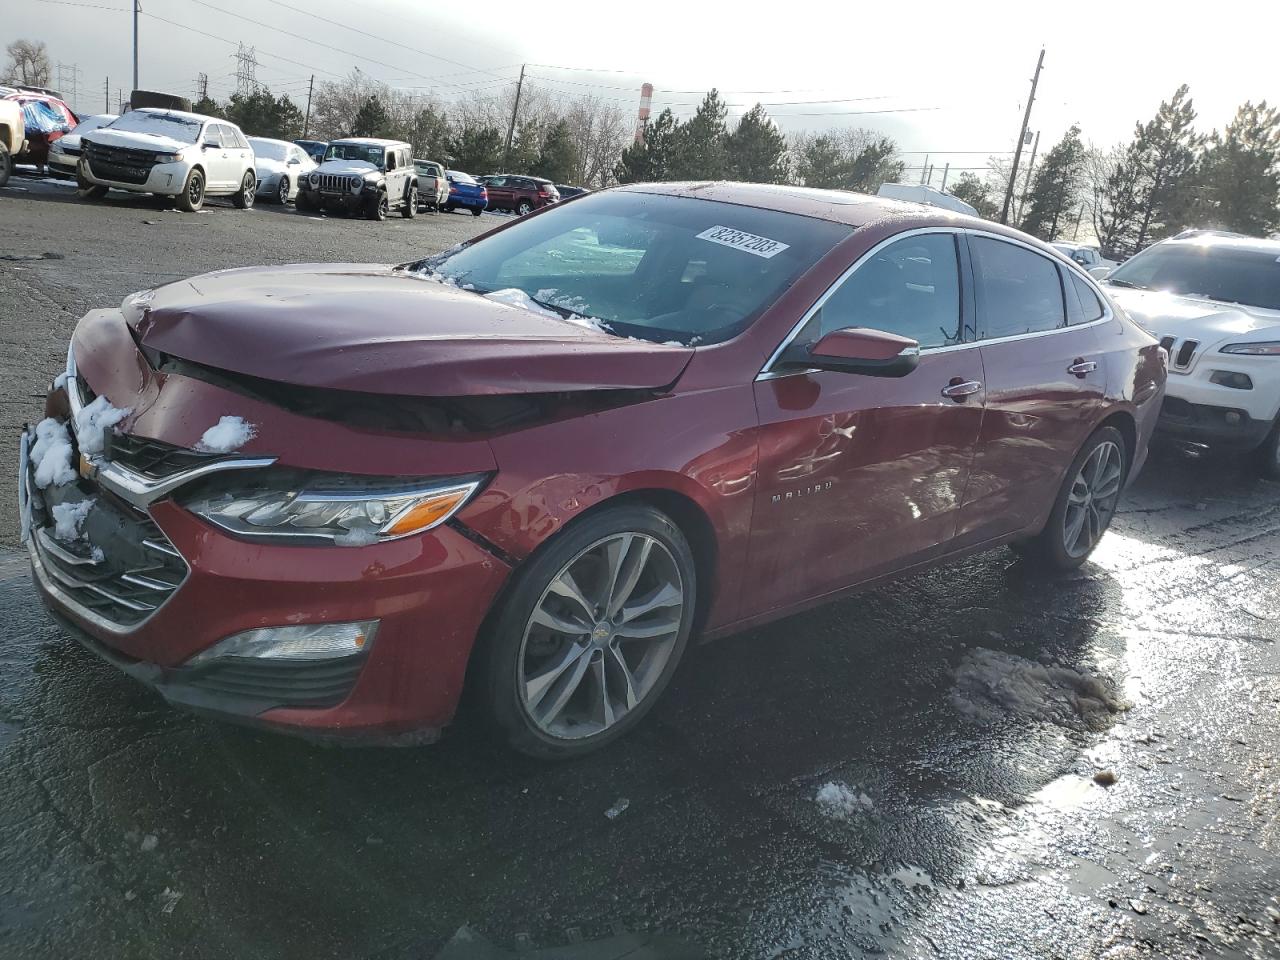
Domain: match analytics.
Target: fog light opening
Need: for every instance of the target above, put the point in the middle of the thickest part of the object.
(317, 641)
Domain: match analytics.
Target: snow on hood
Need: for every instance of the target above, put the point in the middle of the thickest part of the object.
(376, 329)
(1169, 314)
(347, 167)
(136, 141)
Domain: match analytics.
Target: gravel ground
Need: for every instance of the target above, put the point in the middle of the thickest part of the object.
(973, 763)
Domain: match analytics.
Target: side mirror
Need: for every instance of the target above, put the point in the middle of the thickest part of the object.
(294, 161)
(872, 353)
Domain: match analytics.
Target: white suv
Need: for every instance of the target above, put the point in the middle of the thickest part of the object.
(1214, 302)
(181, 155)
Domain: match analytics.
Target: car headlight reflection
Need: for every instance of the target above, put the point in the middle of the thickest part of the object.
(347, 511)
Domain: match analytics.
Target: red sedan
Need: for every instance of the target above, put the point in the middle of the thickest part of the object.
(324, 498)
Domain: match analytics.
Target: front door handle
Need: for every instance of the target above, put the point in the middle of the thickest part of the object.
(1082, 367)
(958, 389)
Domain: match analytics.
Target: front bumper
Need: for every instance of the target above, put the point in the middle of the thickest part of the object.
(162, 585)
(163, 178)
(61, 165)
(1218, 426)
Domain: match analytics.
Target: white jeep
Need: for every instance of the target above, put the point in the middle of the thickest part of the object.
(169, 153)
(362, 175)
(1213, 301)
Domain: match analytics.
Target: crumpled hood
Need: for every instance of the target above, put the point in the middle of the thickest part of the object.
(1167, 314)
(347, 167)
(375, 329)
(136, 141)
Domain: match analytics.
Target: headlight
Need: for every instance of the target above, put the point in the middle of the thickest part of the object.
(168, 157)
(348, 511)
(320, 641)
(357, 184)
(314, 178)
(1270, 348)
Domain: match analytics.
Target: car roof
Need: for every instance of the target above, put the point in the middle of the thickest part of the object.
(1209, 239)
(838, 206)
(370, 142)
(180, 114)
(420, 160)
(283, 143)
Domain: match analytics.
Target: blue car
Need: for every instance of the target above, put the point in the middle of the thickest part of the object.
(465, 191)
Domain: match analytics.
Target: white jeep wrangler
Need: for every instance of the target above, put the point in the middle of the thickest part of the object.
(363, 175)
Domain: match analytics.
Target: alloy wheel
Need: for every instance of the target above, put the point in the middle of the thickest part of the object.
(1092, 500)
(282, 191)
(195, 191)
(600, 636)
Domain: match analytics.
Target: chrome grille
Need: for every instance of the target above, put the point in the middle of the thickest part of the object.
(1181, 352)
(152, 459)
(118, 163)
(337, 183)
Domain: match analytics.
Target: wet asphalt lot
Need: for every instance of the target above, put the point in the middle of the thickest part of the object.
(954, 722)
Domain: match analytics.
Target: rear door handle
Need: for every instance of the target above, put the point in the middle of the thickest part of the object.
(958, 389)
(1082, 367)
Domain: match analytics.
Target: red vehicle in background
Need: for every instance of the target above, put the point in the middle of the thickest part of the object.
(324, 498)
(518, 193)
(46, 118)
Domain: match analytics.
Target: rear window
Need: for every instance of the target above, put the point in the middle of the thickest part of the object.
(268, 149)
(659, 268)
(1213, 271)
(459, 177)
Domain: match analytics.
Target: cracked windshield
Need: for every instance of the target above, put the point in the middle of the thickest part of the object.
(675, 483)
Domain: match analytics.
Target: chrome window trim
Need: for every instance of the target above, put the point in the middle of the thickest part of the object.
(1108, 314)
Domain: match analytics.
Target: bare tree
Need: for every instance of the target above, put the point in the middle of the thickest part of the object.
(601, 130)
(28, 63)
(1113, 181)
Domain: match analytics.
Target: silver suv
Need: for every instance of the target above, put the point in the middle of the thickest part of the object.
(363, 175)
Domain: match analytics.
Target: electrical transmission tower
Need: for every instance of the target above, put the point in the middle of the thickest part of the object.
(69, 82)
(202, 86)
(246, 71)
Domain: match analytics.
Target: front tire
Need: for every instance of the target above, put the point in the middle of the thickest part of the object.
(302, 203)
(191, 198)
(1269, 454)
(1085, 506)
(379, 207)
(590, 634)
(6, 165)
(410, 208)
(244, 197)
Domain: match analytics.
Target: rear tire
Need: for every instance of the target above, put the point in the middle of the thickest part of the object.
(6, 165)
(524, 209)
(282, 191)
(604, 678)
(244, 197)
(191, 198)
(410, 208)
(1085, 505)
(476, 211)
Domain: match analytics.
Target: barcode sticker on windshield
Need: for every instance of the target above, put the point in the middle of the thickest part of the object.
(746, 242)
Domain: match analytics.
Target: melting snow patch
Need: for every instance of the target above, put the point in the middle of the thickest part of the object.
(514, 297)
(356, 538)
(839, 801)
(228, 434)
(990, 684)
(92, 423)
(69, 517)
(51, 454)
(618, 809)
(60, 380)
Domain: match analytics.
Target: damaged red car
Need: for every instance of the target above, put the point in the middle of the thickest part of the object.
(329, 499)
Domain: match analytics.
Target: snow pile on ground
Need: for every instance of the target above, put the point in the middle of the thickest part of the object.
(51, 454)
(990, 684)
(839, 801)
(228, 434)
(92, 423)
(69, 517)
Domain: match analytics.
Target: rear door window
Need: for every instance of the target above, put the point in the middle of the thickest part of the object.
(1018, 291)
(1090, 306)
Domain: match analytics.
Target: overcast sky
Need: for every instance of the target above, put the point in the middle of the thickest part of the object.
(958, 74)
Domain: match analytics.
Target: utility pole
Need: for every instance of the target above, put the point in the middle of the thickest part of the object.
(511, 127)
(924, 168)
(106, 96)
(137, 8)
(306, 121)
(945, 170)
(1026, 187)
(1022, 136)
(1079, 217)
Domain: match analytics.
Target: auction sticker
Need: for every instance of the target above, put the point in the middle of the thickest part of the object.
(746, 242)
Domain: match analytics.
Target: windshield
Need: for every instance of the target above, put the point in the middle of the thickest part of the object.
(268, 149)
(182, 129)
(1216, 272)
(655, 267)
(355, 151)
(92, 123)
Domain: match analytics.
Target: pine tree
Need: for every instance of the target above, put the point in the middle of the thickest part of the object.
(1166, 148)
(476, 148)
(1240, 173)
(822, 163)
(649, 160)
(259, 114)
(559, 157)
(1055, 188)
(1115, 180)
(429, 134)
(698, 151)
(756, 151)
(526, 147)
(372, 120)
(976, 192)
(209, 107)
(874, 164)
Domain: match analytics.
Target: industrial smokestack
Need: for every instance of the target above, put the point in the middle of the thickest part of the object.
(646, 100)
